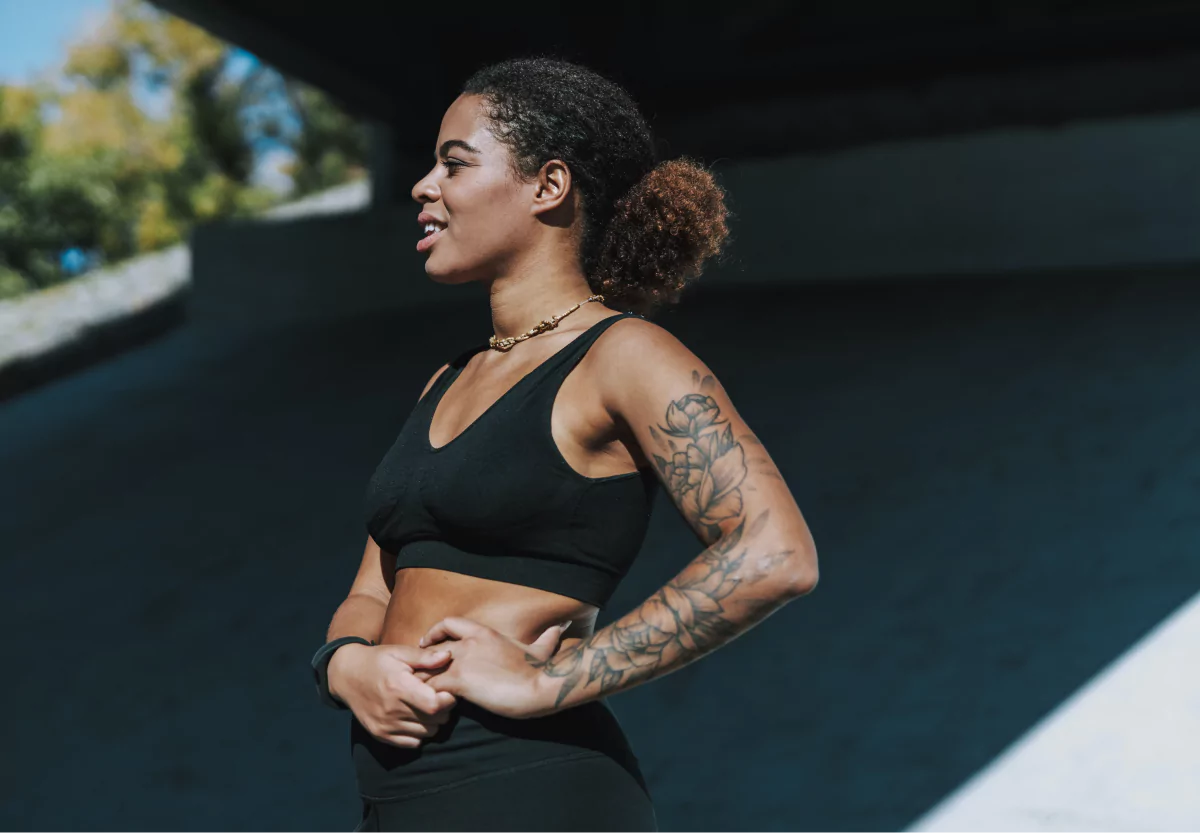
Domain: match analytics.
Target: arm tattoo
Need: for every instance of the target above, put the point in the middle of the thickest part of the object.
(704, 477)
(708, 603)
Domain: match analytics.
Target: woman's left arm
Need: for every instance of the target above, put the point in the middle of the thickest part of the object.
(760, 554)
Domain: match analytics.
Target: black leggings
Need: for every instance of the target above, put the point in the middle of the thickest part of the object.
(573, 770)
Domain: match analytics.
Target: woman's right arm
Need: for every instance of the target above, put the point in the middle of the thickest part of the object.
(365, 607)
(386, 686)
(363, 611)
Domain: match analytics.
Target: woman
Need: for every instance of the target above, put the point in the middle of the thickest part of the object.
(518, 491)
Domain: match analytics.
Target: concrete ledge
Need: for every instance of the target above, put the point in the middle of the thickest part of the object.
(56, 331)
(46, 334)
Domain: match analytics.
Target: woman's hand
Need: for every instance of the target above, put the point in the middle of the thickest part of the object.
(492, 670)
(385, 688)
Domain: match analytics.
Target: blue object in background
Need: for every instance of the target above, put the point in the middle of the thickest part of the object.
(75, 261)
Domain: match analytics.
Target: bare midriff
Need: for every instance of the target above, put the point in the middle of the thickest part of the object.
(423, 596)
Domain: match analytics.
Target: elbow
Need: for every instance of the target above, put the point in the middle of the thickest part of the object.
(784, 564)
(804, 583)
(805, 576)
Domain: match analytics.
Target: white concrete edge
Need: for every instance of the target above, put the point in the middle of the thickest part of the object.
(1121, 753)
(341, 199)
(41, 322)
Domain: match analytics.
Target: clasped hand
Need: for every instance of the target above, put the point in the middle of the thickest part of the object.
(493, 670)
(402, 695)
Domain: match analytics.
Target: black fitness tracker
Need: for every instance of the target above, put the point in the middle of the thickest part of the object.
(320, 666)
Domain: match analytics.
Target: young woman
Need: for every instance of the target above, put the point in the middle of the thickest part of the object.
(519, 489)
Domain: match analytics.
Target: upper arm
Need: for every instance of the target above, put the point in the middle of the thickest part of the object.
(716, 471)
(376, 573)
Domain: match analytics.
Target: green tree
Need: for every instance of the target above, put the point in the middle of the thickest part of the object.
(330, 147)
(82, 165)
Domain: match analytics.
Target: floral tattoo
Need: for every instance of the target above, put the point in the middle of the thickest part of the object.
(704, 476)
(696, 611)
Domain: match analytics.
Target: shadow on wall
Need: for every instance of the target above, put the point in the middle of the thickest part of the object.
(977, 460)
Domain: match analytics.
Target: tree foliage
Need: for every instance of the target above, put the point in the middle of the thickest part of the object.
(148, 132)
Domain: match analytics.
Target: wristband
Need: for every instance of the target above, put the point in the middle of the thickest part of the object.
(320, 666)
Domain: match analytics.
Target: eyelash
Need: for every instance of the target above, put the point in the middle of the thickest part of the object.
(451, 164)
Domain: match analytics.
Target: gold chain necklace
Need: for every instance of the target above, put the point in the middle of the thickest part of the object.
(506, 344)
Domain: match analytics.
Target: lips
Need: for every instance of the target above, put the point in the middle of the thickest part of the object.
(428, 240)
(427, 220)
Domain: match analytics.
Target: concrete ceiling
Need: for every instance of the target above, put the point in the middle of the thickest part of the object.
(771, 77)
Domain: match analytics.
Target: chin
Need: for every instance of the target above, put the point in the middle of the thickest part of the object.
(442, 276)
(449, 277)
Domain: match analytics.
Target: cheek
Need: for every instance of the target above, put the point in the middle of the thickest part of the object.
(484, 230)
(484, 213)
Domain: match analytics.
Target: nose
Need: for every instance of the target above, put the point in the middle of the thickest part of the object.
(426, 190)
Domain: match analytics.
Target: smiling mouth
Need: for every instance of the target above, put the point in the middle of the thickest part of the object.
(432, 233)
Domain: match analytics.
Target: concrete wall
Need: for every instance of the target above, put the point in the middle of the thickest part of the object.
(1097, 194)
(252, 273)
(1085, 196)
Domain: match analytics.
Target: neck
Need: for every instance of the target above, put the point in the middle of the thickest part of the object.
(526, 296)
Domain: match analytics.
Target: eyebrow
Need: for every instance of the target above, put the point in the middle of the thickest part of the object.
(455, 143)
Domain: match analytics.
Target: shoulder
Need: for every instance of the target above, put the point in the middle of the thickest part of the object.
(629, 338)
(638, 362)
(437, 375)
(457, 363)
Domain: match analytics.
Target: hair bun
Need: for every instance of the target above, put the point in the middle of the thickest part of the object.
(664, 229)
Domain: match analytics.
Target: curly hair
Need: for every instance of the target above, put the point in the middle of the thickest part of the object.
(647, 229)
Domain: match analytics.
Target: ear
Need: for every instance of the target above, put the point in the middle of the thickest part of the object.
(553, 187)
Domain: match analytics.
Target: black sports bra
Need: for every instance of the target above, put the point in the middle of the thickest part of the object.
(500, 502)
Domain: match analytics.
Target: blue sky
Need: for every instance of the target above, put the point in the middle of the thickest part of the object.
(34, 37)
(34, 33)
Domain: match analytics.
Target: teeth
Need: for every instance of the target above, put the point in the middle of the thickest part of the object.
(430, 228)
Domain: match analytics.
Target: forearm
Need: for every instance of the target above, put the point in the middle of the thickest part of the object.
(359, 615)
(723, 593)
